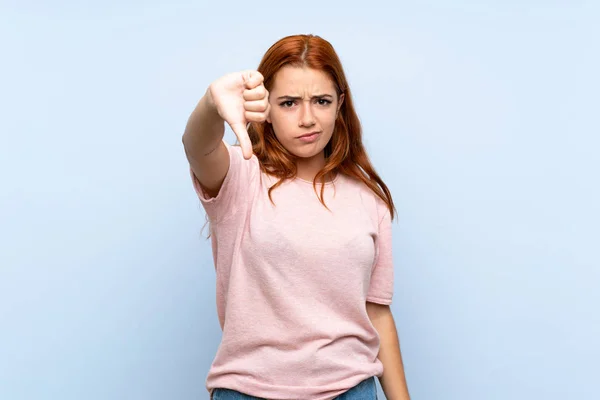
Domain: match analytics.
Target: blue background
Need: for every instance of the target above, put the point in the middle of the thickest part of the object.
(482, 117)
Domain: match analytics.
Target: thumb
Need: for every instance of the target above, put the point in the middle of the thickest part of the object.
(242, 134)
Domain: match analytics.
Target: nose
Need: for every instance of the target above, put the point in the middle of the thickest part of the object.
(307, 118)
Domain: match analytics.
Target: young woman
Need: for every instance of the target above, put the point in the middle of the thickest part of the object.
(301, 233)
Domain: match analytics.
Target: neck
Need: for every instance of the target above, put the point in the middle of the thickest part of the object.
(307, 168)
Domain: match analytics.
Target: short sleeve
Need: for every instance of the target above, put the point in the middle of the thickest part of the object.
(236, 190)
(381, 287)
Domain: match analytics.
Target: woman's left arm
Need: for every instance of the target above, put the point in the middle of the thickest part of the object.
(393, 380)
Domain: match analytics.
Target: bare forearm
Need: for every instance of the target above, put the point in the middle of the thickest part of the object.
(393, 380)
(204, 129)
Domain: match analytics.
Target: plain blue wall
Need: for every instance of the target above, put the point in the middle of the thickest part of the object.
(482, 117)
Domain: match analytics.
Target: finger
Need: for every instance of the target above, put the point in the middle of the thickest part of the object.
(257, 93)
(256, 106)
(242, 134)
(252, 79)
(252, 116)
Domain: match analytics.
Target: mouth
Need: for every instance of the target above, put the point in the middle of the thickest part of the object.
(309, 135)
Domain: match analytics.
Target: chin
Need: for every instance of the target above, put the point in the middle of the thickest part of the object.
(306, 152)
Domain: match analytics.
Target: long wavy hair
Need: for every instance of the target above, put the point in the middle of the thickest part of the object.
(345, 152)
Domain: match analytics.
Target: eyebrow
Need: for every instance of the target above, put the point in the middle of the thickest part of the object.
(318, 96)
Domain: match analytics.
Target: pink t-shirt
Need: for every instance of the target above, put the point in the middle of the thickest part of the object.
(292, 283)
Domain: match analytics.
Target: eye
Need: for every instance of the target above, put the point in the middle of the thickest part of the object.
(287, 104)
(323, 102)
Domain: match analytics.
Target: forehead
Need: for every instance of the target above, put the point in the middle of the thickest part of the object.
(302, 80)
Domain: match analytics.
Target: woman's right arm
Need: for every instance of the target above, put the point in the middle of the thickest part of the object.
(204, 147)
(236, 98)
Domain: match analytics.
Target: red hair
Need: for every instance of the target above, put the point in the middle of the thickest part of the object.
(345, 152)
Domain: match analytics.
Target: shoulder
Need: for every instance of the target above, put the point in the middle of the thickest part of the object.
(235, 151)
(238, 162)
(369, 198)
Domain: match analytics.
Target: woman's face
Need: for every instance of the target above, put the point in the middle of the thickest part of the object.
(303, 101)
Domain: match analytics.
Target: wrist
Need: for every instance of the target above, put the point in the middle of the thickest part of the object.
(208, 107)
(208, 99)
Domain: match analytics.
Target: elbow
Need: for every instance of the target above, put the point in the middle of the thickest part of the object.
(377, 311)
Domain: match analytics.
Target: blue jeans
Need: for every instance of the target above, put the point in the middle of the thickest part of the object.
(366, 390)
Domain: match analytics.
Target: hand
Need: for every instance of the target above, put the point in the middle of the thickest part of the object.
(240, 98)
